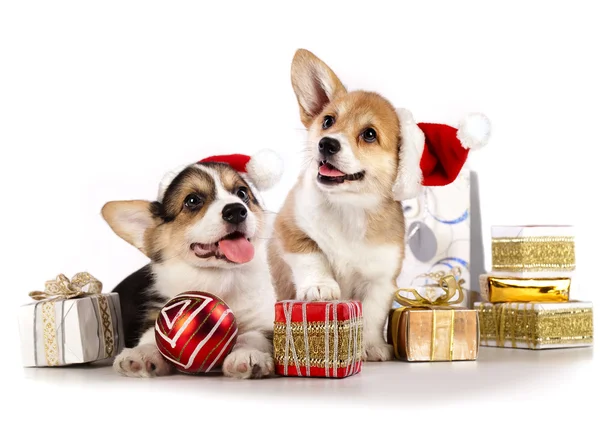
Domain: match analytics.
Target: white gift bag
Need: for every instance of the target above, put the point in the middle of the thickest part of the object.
(443, 231)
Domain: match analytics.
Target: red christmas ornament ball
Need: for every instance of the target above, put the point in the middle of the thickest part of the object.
(195, 331)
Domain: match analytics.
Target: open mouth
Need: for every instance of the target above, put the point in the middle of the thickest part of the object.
(234, 247)
(329, 174)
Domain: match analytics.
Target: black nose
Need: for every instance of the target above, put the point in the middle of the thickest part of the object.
(329, 146)
(234, 213)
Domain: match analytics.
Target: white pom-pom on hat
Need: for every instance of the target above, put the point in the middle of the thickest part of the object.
(265, 169)
(474, 131)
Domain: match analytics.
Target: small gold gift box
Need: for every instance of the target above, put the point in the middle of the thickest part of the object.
(434, 330)
(497, 289)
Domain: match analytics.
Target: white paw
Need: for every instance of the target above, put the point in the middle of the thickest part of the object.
(142, 361)
(245, 363)
(378, 352)
(326, 289)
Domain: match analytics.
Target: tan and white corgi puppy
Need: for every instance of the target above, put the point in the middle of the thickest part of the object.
(205, 233)
(340, 233)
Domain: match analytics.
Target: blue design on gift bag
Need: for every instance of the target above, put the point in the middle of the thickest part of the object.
(458, 260)
(460, 219)
(421, 237)
(463, 217)
(423, 242)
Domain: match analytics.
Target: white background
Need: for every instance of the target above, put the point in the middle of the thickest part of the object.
(99, 99)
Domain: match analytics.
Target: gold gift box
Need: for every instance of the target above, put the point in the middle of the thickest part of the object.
(434, 333)
(496, 290)
(533, 251)
(536, 325)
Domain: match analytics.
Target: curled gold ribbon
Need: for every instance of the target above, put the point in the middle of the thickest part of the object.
(82, 284)
(446, 281)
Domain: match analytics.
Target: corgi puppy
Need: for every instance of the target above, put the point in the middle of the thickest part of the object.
(340, 233)
(203, 235)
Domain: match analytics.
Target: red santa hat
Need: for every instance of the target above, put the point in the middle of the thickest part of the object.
(262, 170)
(433, 154)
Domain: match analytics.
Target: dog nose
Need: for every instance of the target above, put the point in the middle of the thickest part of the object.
(234, 213)
(329, 146)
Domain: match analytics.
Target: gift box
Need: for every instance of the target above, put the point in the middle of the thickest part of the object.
(536, 325)
(533, 251)
(497, 289)
(70, 322)
(434, 330)
(439, 237)
(318, 339)
(434, 334)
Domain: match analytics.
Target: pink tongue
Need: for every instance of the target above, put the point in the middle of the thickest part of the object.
(238, 250)
(327, 171)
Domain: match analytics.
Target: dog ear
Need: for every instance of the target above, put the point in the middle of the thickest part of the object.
(130, 220)
(315, 85)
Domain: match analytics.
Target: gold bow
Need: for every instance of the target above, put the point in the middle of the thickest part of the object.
(82, 284)
(446, 281)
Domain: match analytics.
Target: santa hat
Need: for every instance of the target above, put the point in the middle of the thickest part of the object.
(262, 171)
(433, 154)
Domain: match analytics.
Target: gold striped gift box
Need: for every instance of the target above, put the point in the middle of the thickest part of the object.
(533, 251)
(536, 325)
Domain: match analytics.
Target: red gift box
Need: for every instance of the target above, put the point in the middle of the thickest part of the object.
(318, 339)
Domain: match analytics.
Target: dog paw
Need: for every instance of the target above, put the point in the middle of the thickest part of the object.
(142, 361)
(323, 290)
(248, 364)
(378, 352)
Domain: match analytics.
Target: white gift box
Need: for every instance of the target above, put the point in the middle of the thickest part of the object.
(438, 238)
(536, 325)
(542, 251)
(60, 332)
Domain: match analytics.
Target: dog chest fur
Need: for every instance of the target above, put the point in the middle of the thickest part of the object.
(246, 290)
(356, 262)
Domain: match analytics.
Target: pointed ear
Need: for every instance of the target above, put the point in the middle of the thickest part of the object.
(130, 220)
(314, 83)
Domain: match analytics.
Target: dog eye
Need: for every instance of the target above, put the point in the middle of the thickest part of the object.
(193, 201)
(242, 193)
(369, 135)
(328, 122)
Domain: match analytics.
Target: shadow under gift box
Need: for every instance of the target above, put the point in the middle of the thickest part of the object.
(318, 339)
(434, 333)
